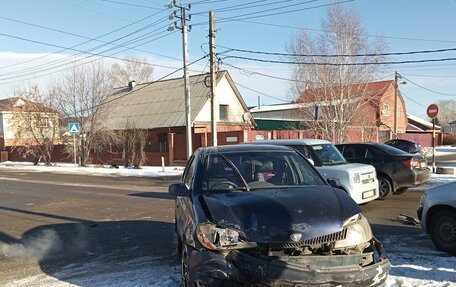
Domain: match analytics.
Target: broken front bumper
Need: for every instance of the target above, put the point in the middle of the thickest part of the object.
(241, 269)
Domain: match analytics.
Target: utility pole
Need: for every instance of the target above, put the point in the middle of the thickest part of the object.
(183, 27)
(396, 78)
(214, 105)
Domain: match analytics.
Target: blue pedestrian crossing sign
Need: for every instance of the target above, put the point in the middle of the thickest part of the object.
(73, 128)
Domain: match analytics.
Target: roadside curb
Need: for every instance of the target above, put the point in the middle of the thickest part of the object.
(444, 170)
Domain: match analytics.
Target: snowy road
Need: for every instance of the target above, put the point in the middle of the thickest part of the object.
(137, 261)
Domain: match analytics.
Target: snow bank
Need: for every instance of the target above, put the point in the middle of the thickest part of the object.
(146, 171)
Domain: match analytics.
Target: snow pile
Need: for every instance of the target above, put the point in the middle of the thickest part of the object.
(439, 151)
(146, 171)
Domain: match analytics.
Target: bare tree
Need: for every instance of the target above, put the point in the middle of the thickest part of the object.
(336, 84)
(81, 97)
(36, 124)
(447, 111)
(132, 141)
(132, 68)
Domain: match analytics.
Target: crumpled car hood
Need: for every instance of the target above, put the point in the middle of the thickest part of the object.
(272, 215)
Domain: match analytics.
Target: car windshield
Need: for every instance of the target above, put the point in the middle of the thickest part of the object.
(257, 170)
(328, 154)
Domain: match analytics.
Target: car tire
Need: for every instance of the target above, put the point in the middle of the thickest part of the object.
(443, 231)
(384, 187)
(185, 269)
(400, 190)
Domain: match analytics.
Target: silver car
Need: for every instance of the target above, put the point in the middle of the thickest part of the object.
(437, 214)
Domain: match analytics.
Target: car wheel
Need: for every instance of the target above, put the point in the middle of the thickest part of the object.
(185, 269)
(400, 190)
(443, 231)
(384, 187)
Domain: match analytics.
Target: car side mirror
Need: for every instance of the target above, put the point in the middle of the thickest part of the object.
(334, 182)
(311, 161)
(178, 189)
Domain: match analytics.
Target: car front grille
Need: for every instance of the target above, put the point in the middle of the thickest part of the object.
(309, 242)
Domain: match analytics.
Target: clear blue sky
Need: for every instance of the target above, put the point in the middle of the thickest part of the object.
(406, 25)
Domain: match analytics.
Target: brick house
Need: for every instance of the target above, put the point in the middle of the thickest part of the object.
(373, 121)
(158, 107)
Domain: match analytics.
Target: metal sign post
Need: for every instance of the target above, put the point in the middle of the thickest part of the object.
(432, 111)
(74, 149)
(73, 129)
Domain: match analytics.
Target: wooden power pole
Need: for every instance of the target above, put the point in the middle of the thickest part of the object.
(214, 106)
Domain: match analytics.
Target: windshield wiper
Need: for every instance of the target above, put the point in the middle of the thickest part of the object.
(237, 171)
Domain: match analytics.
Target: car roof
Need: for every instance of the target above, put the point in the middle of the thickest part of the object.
(292, 142)
(369, 143)
(242, 148)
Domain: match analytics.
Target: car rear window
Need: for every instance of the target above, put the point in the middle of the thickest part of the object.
(390, 149)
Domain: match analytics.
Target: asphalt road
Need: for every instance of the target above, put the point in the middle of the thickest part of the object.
(77, 219)
(48, 221)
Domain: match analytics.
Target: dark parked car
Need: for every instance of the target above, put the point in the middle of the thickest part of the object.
(262, 214)
(405, 145)
(396, 169)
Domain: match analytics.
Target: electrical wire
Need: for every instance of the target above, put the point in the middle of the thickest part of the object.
(430, 76)
(239, 17)
(339, 64)
(83, 63)
(326, 31)
(335, 55)
(46, 67)
(427, 89)
(261, 93)
(412, 100)
(245, 6)
(131, 4)
(80, 44)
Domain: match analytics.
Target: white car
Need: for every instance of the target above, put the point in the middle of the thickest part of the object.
(437, 215)
(358, 180)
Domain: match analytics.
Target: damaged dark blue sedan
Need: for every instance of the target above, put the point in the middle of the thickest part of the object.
(261, 215)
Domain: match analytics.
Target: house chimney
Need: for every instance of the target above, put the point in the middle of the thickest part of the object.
(131, 85)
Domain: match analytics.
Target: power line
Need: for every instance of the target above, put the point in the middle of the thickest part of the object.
(335, 55)
(34, 77)
(239, 17)
(49, 65)
(340, 64)
(91, 39)
(131, 4)
(326, 31)
(250, 5)
(421, 105)
(429, 90)
(261, 93)
(431, 76)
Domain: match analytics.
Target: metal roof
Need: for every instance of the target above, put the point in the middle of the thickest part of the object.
(158, 104)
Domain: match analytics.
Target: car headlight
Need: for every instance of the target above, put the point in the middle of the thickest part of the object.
(358, 232)
(355, 178)
(214, 238)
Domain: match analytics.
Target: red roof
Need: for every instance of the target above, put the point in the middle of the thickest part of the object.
(7, 104)
(371, 89)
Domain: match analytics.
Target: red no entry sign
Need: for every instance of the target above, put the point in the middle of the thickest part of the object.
(432, 111)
